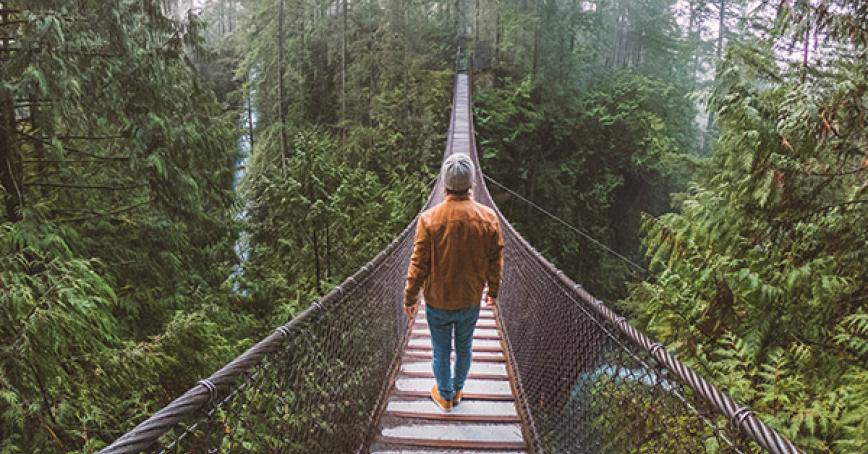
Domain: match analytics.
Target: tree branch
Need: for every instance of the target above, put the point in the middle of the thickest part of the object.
(86, 186)
(73, 161)
(97, 214)
(835, 174)
(74, 150)
(827, 208)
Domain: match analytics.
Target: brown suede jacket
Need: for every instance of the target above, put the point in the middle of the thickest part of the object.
(458, 249)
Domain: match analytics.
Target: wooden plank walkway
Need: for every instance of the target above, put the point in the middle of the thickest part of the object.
(486, 421)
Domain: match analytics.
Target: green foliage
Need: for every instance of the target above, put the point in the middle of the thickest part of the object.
(364, 133)
(762, 274)
(119, 139)
(592, 135)
(117, 232)
(313, 220)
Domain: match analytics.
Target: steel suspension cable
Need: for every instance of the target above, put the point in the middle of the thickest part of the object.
(566, 224)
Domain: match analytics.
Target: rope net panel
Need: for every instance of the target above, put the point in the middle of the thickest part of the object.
(586, 380)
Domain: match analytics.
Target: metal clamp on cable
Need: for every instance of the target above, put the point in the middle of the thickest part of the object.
(211, 387)
(283, 330)
(655, 347)
(316, 304)
(620, 320)
(740, 415)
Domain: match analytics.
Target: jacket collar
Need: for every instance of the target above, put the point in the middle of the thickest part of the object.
(456, 197)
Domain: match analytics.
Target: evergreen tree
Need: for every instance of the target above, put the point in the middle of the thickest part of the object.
(116, 233)
(591, 124)
(352, 103)
(762, 273)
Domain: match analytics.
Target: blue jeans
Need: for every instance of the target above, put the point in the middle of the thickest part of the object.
(442, 323)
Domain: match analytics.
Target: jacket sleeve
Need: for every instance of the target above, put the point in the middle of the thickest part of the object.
(420, 264)
(495, 260)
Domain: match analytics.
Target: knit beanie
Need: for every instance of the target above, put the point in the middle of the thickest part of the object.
(458, 172)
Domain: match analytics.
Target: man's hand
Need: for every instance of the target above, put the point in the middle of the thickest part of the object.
(491, 301)
(411, 311)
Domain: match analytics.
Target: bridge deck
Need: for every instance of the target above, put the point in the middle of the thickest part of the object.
(487, 418)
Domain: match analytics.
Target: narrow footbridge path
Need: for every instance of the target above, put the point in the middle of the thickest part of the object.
(487, 417)
(555, 371)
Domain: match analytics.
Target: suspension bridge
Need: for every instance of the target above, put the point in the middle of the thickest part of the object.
(555, 371)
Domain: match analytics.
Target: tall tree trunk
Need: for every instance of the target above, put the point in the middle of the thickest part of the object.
(10, 161)
(536, 41)
(694, 39)
(476, 22)
(222, 8)
(531, 191)
(721, 28)
(328, 253)
(497, 32)
(281, 101)
(805, 51)
(455, 19)
(250, 114)
(316, 264)
(721, 31)
(344, 69)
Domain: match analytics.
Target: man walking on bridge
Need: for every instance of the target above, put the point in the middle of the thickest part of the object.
(457, 252)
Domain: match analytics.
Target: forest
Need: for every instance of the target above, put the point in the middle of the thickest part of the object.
(179, 177)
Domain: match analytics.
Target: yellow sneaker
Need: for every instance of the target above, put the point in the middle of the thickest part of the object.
(457, 399)
(446, 405)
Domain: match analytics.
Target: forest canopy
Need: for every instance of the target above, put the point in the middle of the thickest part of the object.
(178, 177)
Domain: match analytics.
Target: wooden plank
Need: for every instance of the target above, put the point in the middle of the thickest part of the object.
(486, 332)
(471, 376)
(469, 435)
(454, 443)
(475, 368)
(482, 323)
(494, 387)
(452, 417)
(413, 450)
(468, 396)
(468, 410)
(415, 355)
(424, 334)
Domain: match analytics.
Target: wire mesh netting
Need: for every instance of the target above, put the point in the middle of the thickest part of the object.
(584, 386)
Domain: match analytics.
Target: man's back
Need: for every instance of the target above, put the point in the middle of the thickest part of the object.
(457, 252)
